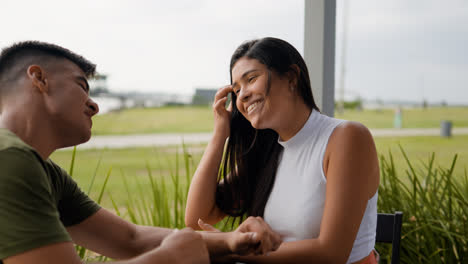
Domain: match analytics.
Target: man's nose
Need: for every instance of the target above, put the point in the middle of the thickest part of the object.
(93, 106)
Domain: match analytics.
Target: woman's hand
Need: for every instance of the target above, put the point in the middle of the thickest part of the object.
(222, 116)
(268, 239)
(253, 236)
(239, 243)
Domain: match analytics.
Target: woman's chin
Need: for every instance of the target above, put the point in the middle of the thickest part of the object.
(256, 124)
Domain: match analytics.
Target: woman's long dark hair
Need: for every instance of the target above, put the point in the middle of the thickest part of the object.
(252, 156)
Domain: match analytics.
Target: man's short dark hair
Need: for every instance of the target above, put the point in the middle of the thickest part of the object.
(15, 59)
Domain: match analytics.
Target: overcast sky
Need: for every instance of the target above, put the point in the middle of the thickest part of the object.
(396, 49)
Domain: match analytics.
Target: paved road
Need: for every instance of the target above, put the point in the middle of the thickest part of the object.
(148, 140)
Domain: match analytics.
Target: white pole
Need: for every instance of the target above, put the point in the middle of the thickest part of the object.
(343, 57)
(319, 51)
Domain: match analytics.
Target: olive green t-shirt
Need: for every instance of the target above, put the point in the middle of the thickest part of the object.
(38, 199)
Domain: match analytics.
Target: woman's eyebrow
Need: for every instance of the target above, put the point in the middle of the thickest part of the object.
(243, 76)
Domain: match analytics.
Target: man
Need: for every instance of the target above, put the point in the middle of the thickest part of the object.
(44, 106)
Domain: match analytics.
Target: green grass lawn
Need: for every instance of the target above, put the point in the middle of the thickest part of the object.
(173, 119)
(420, 149)
(412, 118)
(200, 119)
(135, 164)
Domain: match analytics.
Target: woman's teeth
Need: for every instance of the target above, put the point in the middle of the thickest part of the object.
(252, 107)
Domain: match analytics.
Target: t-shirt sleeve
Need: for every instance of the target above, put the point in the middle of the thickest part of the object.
(74, 205)
(28, 215)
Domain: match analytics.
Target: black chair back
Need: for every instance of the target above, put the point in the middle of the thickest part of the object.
(389, 231)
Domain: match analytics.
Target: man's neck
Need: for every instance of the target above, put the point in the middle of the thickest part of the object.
(29, 132)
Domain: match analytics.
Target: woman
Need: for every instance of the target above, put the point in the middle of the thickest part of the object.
(313, 178)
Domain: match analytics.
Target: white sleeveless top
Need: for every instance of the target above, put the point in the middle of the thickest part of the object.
(295, 206)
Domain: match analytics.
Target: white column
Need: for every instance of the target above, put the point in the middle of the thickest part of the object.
(319, 51)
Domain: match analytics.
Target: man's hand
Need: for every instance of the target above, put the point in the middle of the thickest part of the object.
(186, 246)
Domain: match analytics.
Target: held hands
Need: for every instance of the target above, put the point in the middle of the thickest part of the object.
(222, 116)
(253, 236)
(186, 246)
(268, 239)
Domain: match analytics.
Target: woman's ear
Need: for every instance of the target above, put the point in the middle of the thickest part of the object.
(38, 78)
(293, 75)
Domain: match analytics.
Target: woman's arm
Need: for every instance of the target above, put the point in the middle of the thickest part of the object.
(201, 202)
(352, 172)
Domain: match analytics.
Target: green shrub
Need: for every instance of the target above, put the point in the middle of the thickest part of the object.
(163, 207)
(435, 209)
(434, 205)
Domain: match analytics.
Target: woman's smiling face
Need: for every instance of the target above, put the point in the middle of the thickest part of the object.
(261, 93)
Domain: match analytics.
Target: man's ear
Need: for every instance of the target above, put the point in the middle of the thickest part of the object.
(38, 78)
(293, 75)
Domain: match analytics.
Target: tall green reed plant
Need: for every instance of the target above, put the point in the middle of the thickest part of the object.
(163, 206)
(435, 206)
(83, 253)
(434, 202)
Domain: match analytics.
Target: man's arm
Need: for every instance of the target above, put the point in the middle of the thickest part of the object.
(63, 252)
(112, 236)
(185, 246)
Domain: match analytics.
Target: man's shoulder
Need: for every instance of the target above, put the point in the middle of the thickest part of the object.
(26, 193)
(18, 158)
(19, 166)
(14, 152)
(9, 140)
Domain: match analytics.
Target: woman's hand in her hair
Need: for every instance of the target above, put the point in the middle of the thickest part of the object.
(268, 239)
(222, 115)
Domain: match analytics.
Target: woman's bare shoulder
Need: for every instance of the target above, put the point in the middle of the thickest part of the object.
(351, 151)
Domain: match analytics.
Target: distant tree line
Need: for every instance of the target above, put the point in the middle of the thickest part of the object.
(354, 104)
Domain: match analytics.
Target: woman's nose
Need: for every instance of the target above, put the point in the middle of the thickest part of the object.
(244, 94)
